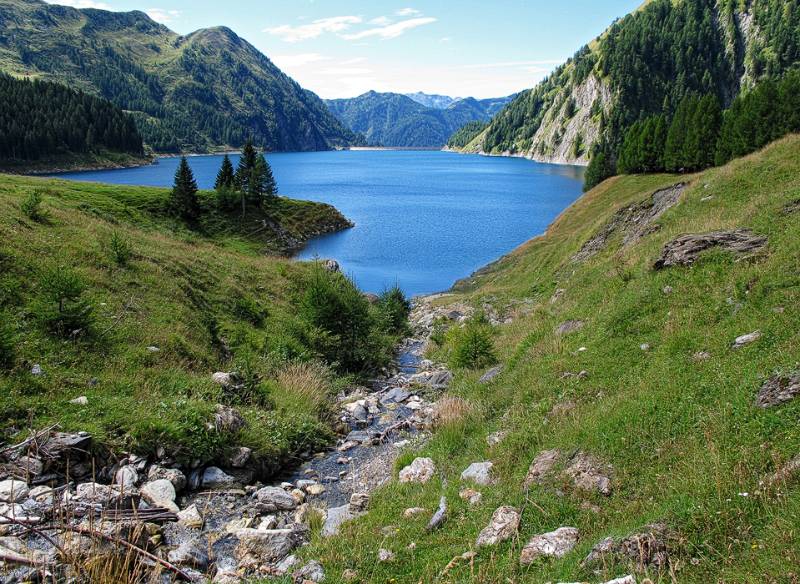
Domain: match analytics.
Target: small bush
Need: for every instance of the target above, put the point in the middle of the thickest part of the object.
(394, 309)
(120, 249)
(7, 342)
(248, 386)
(61, 307)
(451, 410)
(439, 332)
(473, 347)
(32, 207)
(249, 310)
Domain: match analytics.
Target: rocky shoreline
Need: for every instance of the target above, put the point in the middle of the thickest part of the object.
(58, 508)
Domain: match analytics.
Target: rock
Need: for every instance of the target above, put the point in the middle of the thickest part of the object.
(746, 339)
(685, 250)
(193, 553)
(160, 493)
(332, 266)
(267, 523)
(227, 420)
(315, 490)
(277, 499)
(647, 548)
(359, 502)
(479, 473)
(412, 512)
(554, 544)
(335, 518)
(42, 494)
(471, 496)
(13, 490)
(95, 493)
(191, 518)
(312, 572)
(395, 396)
(153, 349)
(36, 370)
(282, 568)
(349, 575)
(421, 470)
(503, 526)
(216, 478)
(701, 356)
(623, 580)
(633, 222)
(541, 467)
(778, 390)
(385, 555)
(439, 517)
(223, 379)
(126, 477)
(569, 326)
(173, 475)
(589, 474)
(240, 456)
(264, 547)
(496, 438)
(29, 465)
(644, 346)
(17, 512)
(489, 376)
(667, 290)
(80, 401)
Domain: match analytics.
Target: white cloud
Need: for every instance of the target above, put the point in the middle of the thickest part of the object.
(299, 60)
(161, 15)
(444, 40)
(381, 21)
(353, 61)
(81, 4)
(346, 71)
(408, 12)
(391, 31)
(512, 64)
(294, 34)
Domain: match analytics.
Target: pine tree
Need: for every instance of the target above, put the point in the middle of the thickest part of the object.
(270, 184)
(226, 177)
(246, 165)
(184, 191)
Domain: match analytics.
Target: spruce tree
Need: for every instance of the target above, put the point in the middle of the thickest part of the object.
(246, 165)
(226, 176)
(184, 191)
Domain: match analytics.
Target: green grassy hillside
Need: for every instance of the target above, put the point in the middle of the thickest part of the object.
(104, 295)
(650, 385)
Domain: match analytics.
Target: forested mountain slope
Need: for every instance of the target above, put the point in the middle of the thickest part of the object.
(198, 92)
(645, 64)
(391, 119)
(42, 122)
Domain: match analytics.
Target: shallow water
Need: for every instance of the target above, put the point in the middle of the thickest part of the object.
(423, 218)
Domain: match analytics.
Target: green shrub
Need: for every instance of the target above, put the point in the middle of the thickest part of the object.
(248, 387)
(339, 323)
(120, 249)
(7, 342)
(394, 308)
(439, 332)
(248, 309)
(60, 306)
(32, 207)
(473, 347)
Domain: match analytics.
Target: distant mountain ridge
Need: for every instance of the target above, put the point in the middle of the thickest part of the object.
(433, 100)
(207, 90)
(393, 119)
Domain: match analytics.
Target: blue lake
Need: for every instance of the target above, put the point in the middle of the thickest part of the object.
(424, 219)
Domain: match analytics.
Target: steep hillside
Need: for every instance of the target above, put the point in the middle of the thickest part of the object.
(645, 64)
(647, 392)
(391, 119)
(206, 90)
(433, 100)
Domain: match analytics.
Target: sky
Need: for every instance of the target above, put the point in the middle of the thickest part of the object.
(343, 48)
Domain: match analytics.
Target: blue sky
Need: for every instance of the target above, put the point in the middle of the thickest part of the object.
(342, 48)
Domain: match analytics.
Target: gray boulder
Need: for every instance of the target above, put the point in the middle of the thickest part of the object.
(554, 544)
(275, 499)
(502, 527)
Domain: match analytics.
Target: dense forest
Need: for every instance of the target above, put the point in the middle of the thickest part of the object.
(466, 134)
(199, 92)
(647, 65)
(41, 120)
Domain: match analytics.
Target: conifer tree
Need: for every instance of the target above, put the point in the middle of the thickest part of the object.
(226, 177)
(184, 191)
(246, 165)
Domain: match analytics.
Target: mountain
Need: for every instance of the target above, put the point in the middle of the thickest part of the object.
(392, 119)
(432, 100)
(645, 64)
(206, 90)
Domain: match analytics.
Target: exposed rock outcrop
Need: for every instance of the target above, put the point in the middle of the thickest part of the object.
(685, 250)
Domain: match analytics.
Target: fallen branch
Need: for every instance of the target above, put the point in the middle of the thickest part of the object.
(14, 558)
(385, 434)
(27, 442)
